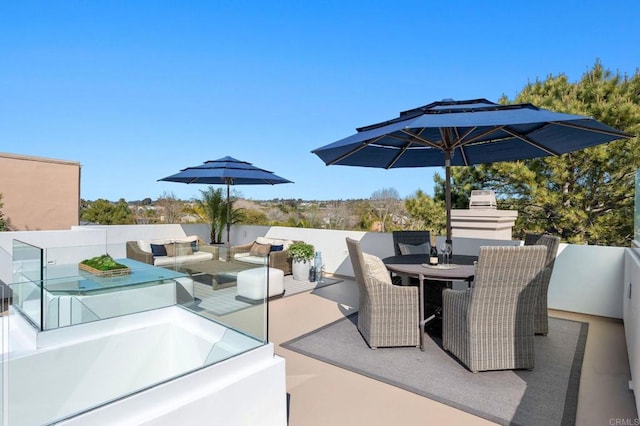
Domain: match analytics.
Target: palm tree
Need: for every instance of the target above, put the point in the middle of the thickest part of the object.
(213, 208)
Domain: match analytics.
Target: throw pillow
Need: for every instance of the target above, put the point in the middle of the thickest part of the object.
(258, 249)
(277, 248)
(423, 248)
(158, 250)
(183, 249)
(374, 267)
(171, 249)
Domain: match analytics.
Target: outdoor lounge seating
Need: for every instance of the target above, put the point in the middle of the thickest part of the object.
(252, 284)
(388, 314)
(552, 243)
(170, 252)
(263, 248)
(491, 325)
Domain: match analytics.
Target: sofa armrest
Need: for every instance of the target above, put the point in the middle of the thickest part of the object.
(280, 260)
(245, 248)
(134, 252)
(214, 250)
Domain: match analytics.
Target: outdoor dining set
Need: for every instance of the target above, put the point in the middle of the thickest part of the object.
(489, 324)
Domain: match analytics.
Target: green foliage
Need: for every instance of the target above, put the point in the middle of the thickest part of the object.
(104, 212)
(585, 196)
(213, 206)
(300, 251)
(255, 217)
(4, 226)
(426, 212)
(103, 263)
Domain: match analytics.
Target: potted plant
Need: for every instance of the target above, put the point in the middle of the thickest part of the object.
(301, 254)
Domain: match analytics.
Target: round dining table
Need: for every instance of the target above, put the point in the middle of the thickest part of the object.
(460, 268)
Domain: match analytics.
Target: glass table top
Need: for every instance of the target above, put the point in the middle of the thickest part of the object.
(69, 279)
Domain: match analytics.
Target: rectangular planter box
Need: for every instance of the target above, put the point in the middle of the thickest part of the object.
(104, 274)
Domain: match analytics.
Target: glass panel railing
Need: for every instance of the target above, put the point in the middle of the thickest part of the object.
(26, 285)
(76, 291)
(235, 293)
(98, 317)
(231, 344)
(5, 299)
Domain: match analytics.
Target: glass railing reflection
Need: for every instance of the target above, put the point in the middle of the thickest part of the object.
(51, 291)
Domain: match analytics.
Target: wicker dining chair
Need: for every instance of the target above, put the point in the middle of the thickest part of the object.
(413, 238)
(388, 314)
(551, 243)
(490, 326)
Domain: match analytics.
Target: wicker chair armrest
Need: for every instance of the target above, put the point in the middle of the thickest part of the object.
(245, 248)
(455, 314)
(455, 303)
(134, 252)
(280, 260)
(403, 295)
(214, 250)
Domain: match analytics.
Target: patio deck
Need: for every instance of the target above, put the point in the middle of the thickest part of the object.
(321, 394)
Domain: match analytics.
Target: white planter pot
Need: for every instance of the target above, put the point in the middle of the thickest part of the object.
(300, 270)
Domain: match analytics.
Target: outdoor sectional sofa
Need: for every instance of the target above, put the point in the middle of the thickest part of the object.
(171, 252)
(263, 248)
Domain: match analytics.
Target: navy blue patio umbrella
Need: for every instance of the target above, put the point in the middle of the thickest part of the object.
(461, 133)
(226, 171)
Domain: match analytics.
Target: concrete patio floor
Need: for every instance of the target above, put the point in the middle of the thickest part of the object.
(321, 394)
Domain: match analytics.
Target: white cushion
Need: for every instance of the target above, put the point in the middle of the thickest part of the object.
(145, 246)
(274, 242)
(286, 244)
(252, 283)
(423, 248)
(160, 242)
(374, 267)
(190, 258)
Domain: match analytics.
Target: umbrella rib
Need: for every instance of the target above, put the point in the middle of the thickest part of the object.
(464, 155)
(531, 142)
(353, 151)
(419, 138)
(463, 142)
(593, 129)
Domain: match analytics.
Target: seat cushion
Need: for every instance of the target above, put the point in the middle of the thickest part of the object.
(252, 283)
(406, 249)
(375, 268)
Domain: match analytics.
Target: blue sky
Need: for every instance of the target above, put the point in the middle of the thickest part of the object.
(137, 90)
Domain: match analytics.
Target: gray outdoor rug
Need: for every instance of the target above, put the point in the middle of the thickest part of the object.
(223, 301)
(547, 395)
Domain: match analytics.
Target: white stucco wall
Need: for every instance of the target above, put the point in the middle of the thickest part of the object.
(587, 279)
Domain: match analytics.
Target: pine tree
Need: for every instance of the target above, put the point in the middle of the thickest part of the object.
(584, 196)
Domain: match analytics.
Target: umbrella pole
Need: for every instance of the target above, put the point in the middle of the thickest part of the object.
(228, 224)
(447, 191)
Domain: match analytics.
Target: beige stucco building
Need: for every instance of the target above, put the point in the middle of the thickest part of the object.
(39, 193)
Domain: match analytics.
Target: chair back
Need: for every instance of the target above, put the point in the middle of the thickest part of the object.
(357, 261)
(551, 242)
(413, 238)
(507, 278)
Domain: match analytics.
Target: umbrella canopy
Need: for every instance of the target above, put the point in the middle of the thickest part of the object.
(462, 133)
(226, 171)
